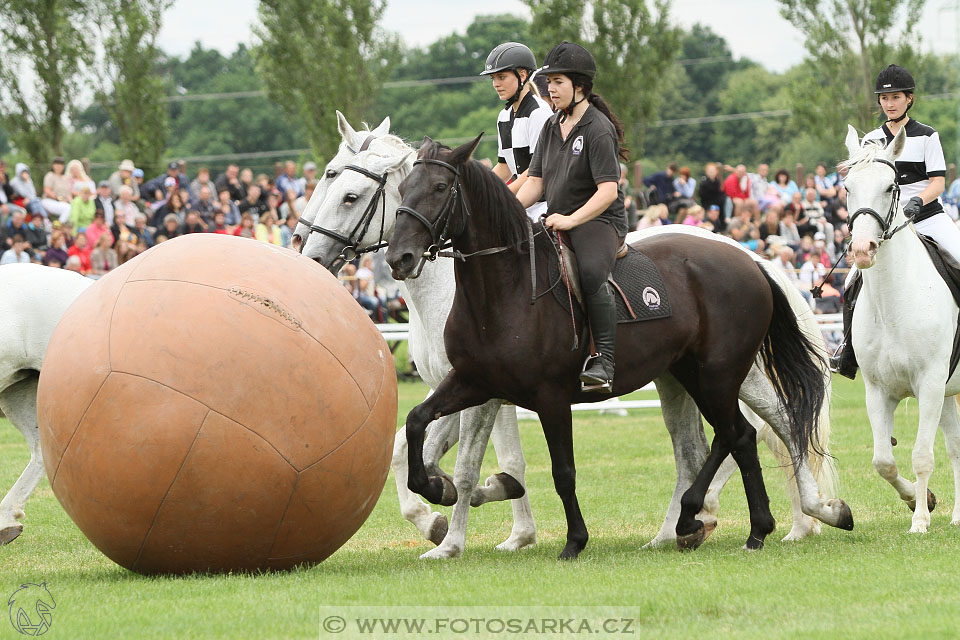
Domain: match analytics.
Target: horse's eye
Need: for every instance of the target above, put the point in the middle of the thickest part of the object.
(441, 186)
(350, 198)
(331, 173)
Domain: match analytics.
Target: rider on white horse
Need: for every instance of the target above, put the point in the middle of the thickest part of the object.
(921, 172)
(510, 66)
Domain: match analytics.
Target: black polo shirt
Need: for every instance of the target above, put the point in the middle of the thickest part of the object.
(571, 169)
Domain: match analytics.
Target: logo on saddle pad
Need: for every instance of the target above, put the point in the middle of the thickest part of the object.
(651, 298)
(577, 146)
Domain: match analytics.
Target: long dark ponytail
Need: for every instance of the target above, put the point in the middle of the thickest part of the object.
(585, 83)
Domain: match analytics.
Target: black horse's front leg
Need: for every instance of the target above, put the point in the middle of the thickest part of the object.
(558, 429)
(451, 396)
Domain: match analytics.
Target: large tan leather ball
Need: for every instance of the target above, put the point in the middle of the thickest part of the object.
(217, 404)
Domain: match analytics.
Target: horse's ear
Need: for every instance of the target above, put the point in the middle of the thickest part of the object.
(462, 153)
(852, 141)
(383, 128)
(347, 132)
(895, 147)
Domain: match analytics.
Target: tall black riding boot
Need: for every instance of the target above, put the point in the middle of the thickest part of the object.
(844, 361)
(602, 311)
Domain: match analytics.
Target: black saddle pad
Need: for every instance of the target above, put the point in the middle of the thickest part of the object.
(636, 277)
(950, 272)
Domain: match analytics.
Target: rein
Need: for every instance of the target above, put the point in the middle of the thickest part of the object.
(884, 222)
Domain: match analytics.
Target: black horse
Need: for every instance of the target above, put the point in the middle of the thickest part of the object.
(725, 311)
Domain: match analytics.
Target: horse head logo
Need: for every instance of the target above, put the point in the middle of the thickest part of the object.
(651, 298)
(30, 609)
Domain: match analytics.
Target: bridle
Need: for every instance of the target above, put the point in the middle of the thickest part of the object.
(351, 243)
(887, 221)
(439, 229)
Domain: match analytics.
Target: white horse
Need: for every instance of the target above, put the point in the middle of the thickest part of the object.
(903, 325)
(32, 301)
(350, 198)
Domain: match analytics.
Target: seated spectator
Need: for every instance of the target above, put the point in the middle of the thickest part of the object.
(25, 194)
(286, 231)
(246, 228)
(714, 221)
(125, 211)
(104, 201)
(694, 217)
(359, 282)
(173, 206)
(795, 206)
(204, 204)
(309, 175)
(78, 178)
(288, 181)
(230, 181)
(770, 198)
(56, 192)
(758, 181)
(142, 231)
(16, 225)
(813, 211)
(158, 188)
(246, 178)
(98, 228)
(218, 225)
(193, 224)
(203, 180)
(771, 223)
(711, 187)
(785, 186)
(684, 185)
(652, 216)
(81, 251)
(123, 177)
(252, 203)
(73, 264)
(57, 250)
(127, 246)
(7, 195)
(788, 230)
(826, 185)
(17, 253)
(268, 231)
(103, 258)
(835, 248)
(229, 208)
(662, 181)
(170, 228)
(82, 208)
(36, 235)
(737, 188)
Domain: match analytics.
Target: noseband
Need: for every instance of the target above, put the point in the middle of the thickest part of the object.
(884, 222)
(439, 228)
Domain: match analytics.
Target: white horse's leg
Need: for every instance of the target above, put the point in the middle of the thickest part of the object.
(950, 425)
(506, 443)
(432, 525)
(803, 525)
(478, 422)
(931, 401)
(19, 403)
(759, 395)
(880, 408)
(690, 448)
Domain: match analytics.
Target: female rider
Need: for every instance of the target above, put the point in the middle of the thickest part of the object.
(510, 66)
(921, 172)
(576, 165)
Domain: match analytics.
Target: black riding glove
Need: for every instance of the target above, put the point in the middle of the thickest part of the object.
(912, 208)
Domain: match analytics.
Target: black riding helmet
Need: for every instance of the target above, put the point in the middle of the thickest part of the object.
(569, 59)
(892, 79)
(511, 56)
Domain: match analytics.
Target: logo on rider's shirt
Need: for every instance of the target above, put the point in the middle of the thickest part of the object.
(577, 146)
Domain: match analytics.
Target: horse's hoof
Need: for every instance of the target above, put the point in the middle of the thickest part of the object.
(439, 530)
(449, 497)
(708, 528)
(440, 491)
(753, 544)
(11, 533)
(693, 540)
(571, 551)
(845, 521)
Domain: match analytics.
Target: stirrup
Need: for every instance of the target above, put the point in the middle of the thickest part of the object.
(591, 382)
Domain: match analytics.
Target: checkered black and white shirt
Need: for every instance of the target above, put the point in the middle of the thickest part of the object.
(922, 159)
(517, 135)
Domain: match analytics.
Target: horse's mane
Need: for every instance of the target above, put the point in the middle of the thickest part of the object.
(864, 155)
(489, 197)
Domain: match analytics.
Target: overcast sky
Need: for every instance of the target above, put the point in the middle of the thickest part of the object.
(752, 28)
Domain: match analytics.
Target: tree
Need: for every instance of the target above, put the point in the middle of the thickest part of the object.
(316, 56)
(48, 43)
(633, 53)
(131, 88)
(848, 43)
(555, 21)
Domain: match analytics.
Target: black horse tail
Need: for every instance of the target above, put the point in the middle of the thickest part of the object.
(797, 370)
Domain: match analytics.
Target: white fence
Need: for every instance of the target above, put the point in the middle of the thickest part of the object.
(401, 331)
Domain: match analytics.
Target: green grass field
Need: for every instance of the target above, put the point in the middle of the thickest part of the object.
(876, 581)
